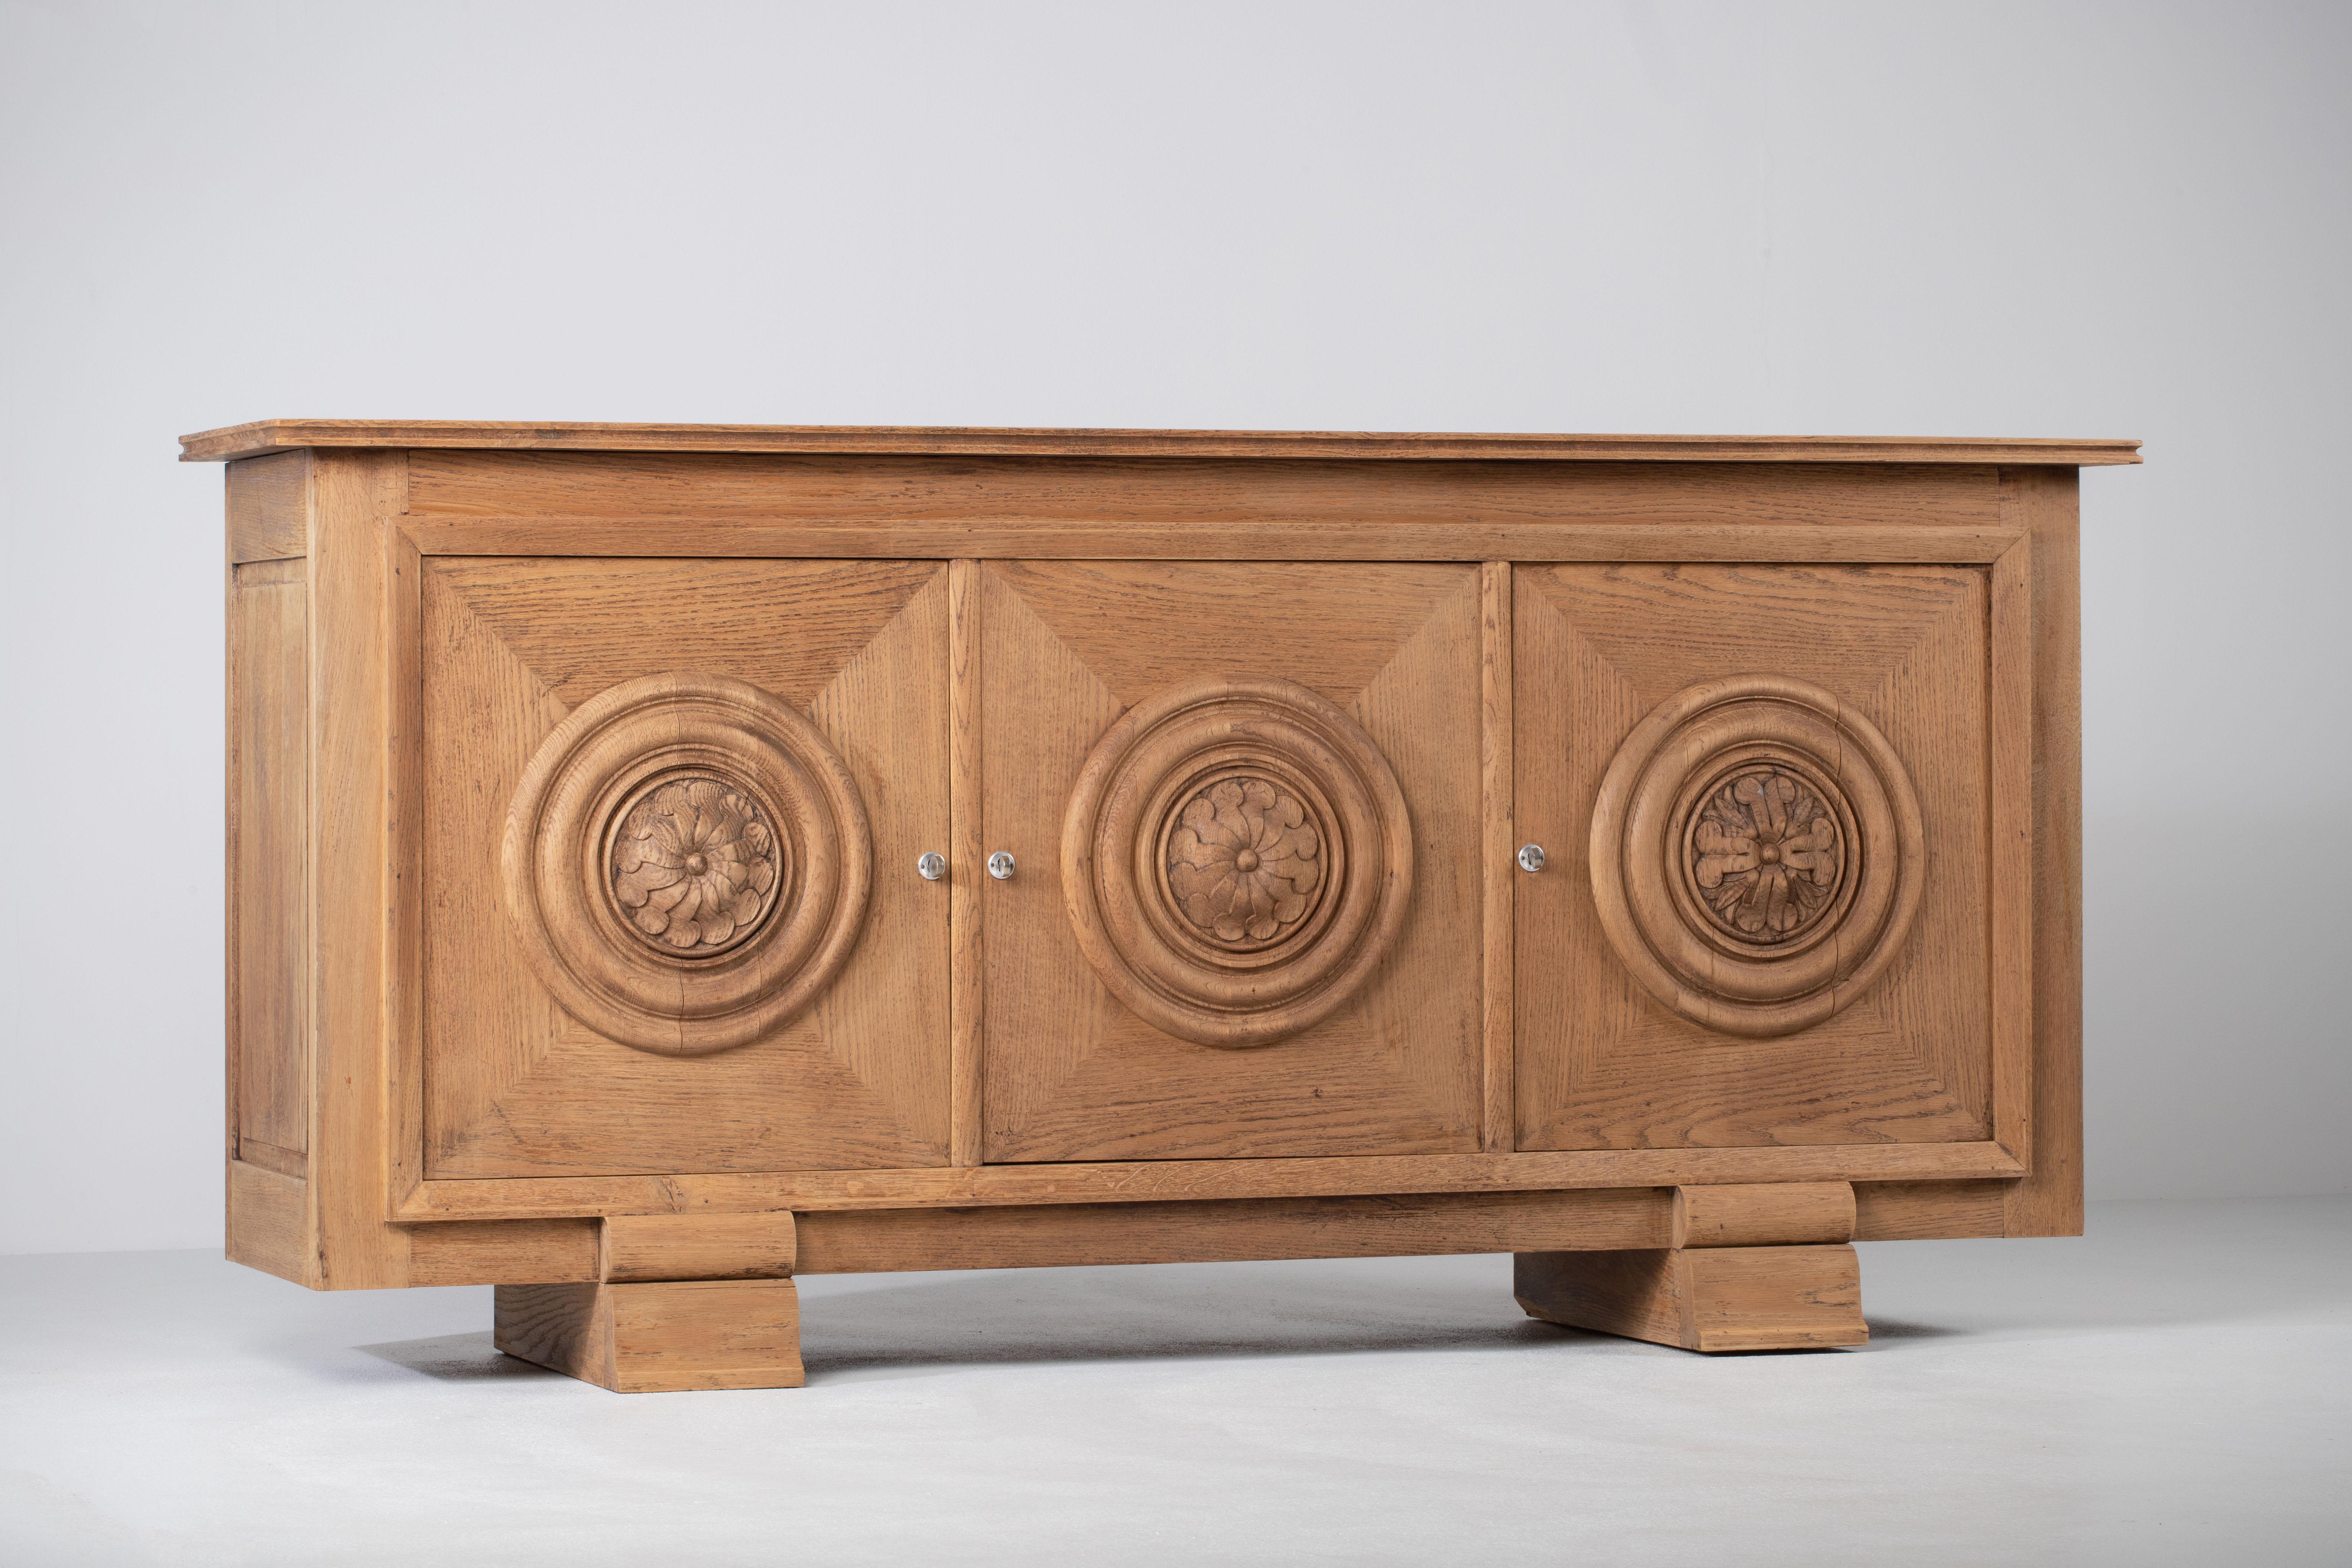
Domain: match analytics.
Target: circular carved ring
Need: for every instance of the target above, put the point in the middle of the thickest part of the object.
(686, 861)
(1758, 854)
(1236, 858)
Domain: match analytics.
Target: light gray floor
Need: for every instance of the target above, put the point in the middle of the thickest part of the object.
(2172, 1389)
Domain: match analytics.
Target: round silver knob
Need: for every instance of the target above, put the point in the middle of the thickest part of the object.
(932, 865)
(1531, 856)
(1000, 866)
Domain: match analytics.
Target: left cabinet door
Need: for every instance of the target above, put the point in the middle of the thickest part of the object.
(668, 816)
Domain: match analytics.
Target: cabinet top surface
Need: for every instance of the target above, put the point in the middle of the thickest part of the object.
(265, 435)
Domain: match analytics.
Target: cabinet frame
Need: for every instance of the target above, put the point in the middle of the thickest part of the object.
(349, 1216)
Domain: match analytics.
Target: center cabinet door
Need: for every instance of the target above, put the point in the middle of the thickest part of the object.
(669, 815)
(1242, 805)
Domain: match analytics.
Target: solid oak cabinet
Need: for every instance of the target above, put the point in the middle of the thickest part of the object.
(668, 859)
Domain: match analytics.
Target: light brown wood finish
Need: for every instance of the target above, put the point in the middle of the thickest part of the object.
(850, 1242)
(268, 907)
(1142, 502)
(1024, 538)
(270, 508)
(419, 1115)
(636, 1249)
(269, 1222)
(1919, 1211)
(352, 769)
(1601, 1062)
(966, 880)
(516, 1086)
(1763, 1214)
(272, 435)
(1072, 1074)
(1711, 1300)
(505, 1252)
(658, 1338)
(1497, 863)
(2041, 503)
(1142, 1181)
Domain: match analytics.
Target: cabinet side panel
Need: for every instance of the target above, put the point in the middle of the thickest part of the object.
(268, 966)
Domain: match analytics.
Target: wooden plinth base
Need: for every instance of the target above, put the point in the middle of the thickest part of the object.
(660, 1337)
(1702, 1299)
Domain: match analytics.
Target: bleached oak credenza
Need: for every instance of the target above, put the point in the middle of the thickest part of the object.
(668, 859)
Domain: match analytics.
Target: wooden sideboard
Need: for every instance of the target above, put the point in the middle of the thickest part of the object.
(664, 860)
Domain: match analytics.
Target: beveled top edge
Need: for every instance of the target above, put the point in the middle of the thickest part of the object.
(265, 435)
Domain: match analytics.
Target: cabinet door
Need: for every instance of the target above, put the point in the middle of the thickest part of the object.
(1784, 810)
(1243, 802)
(669, 816)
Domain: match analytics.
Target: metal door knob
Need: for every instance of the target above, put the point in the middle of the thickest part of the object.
(1000, 866)
(932, 865)
(1531, 858)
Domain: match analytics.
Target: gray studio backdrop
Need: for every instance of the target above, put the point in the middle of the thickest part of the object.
(1955, 219)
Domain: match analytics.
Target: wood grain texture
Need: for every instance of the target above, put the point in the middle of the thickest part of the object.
(1919, 1211)
(2009, 808)
(270, 508)
(269, 1222)
(504, 1252)
(2043, 504)
(965, 852)
(847, 1242)
(1496, 862)
(403, 866)
(273, 435)
(1763, 1214)
(641, 1248)
(1600, 1062)
(1016, 539)
(1144, 1181)
(415, 614)
(658, 1338)
(270, 1157)
(268, 800)
(515, 1086)
(1713, 1300)
(732, 861)
(1074, 1075)
(353, 495)
(1236, 859)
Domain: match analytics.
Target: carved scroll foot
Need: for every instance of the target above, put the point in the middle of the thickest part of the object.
(644, 1329)
(1761, 1268)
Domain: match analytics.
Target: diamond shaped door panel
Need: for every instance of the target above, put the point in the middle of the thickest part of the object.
(1244, 802)
(1769, 795)
(658, 794)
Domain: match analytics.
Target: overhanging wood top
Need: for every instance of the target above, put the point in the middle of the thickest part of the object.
(264, 436)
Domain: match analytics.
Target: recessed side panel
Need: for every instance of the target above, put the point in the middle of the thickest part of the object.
(1764, 794)
(671, 814)
(269, 783)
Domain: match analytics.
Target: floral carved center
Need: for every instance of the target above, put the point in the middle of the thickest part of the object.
(694, 865)
(1246, 861)
(1765, 855)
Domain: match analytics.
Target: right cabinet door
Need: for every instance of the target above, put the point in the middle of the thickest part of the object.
(1783, 812)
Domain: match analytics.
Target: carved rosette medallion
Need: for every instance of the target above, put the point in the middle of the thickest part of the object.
(1757, 854)
(687, 862)
(1244, 861)
(1236, 859)
(694, 865)
(1764, 856)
